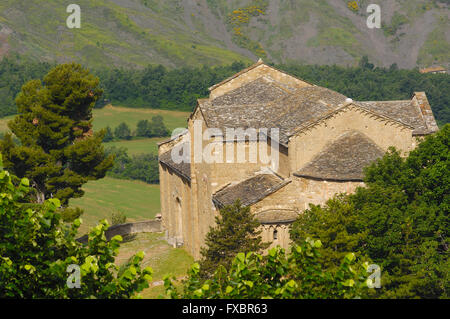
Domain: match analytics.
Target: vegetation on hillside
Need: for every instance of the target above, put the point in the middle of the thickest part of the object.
(143, 167)
(178, 89)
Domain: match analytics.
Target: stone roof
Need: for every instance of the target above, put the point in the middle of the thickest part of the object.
(343, 159)
(402, 111)
(267, 103)
(183, 169)
(249, 191)
(275, 216)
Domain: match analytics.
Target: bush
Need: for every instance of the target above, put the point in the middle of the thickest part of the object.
(118, 218)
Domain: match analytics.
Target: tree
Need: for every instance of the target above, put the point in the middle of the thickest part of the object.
(58, 150)
(236, 230)
(365, 64)
(36, 248)
(399, 220)
(143, 128)
(109, 136)
(123, 131)
(143, 167)
(334, 224)
(157, 127)
(299, 275)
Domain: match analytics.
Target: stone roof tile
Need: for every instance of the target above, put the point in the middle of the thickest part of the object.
(343, 159)
(183, 169)
(249, 191)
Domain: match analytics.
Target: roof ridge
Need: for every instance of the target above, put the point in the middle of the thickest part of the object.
(251, 67)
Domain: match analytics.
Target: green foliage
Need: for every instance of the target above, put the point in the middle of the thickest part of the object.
(155, 128)
(118, 217)
(399, 220)
(333, 224)
(365, 64)
(69, 214)
(143, 167)
(397, 21)
(157, 87)
(57, 150)
(36, 248)
(109, 136)
(14, 72)
(235, 231)
(299, 275)
(122, 132)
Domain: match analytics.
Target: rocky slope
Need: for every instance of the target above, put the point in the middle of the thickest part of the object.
(192, 32)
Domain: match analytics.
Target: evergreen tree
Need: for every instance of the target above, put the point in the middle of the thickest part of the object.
(235, 231)
(123, 131)
(58, 150)
(109, 136)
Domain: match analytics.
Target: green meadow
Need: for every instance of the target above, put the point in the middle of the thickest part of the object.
(138, 200)
(112, 116)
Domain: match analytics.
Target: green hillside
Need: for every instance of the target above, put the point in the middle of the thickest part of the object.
(216, 32)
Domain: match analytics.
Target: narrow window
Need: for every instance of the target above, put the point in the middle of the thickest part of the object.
(275, 234)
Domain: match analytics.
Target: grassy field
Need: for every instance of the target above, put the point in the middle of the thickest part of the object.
(139, 146)
(112, 116)
(159, 255)
(138, 200)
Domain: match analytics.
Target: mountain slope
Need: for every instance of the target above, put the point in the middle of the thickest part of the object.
(193, 32)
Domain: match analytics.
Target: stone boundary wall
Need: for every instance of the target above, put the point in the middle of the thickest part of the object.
(148, 226)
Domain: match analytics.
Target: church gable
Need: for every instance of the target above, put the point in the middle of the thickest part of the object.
(343, 159)
(252, 73)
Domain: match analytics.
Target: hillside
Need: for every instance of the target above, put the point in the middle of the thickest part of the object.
(194, 32)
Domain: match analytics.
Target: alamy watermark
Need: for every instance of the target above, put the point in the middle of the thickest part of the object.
(74, 279)
(235, 145)
(74, 19)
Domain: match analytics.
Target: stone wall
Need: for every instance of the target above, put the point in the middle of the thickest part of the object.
(385, 133)
(148, 226)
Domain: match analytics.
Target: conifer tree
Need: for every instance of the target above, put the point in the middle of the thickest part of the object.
(235, 231)
(58, 150)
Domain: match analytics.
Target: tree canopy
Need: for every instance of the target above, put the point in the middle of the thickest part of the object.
(236, 230)
(58, 150)
(399, 220)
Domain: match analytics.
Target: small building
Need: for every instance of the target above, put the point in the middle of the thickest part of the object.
(318, 142)
(433, 70)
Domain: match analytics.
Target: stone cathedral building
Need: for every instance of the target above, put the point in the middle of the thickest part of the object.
(324, 141)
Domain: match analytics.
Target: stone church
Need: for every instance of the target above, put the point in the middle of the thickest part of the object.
(322, 143)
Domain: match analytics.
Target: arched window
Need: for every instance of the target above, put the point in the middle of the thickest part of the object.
(275, 234)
